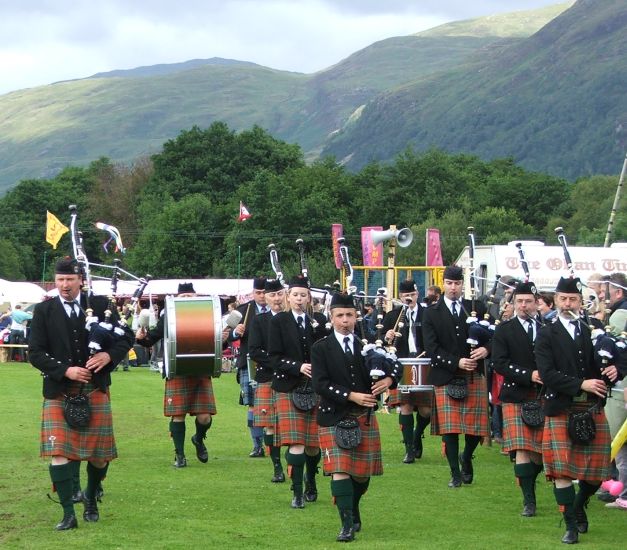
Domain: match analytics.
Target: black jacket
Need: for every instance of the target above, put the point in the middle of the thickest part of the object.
(334, 378)
(445, 339)
(50, 349)
(513, 357)
(561, 369)
(402, 344)
(249, 312)
(258, 346)
(286, 351)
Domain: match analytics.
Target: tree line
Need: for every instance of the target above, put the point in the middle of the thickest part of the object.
(177, 210)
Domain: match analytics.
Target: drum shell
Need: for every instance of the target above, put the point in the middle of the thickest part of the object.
(193, 336)
(415, 373)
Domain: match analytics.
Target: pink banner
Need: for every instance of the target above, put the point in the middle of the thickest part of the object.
(434, 251)
(337, 231)
(373, 254)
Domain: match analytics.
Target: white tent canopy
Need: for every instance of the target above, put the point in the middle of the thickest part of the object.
(20, 293)
(240, 288)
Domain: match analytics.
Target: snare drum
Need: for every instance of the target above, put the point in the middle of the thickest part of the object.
(252, 371)
(415, 372)
(192, 336)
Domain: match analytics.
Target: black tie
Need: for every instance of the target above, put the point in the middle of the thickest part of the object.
(73, 314)
(530, 331)
(301, 325)
(347, 349)
(577, 333)
(454, 308)
(264, 309)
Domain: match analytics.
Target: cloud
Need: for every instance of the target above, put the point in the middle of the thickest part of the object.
(43, 41)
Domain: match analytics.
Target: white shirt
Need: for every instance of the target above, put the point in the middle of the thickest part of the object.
(449, 305)
(525, 324)
(568, 326)
(340, 338)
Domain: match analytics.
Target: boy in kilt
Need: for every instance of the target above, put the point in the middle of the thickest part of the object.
(184, 395)
(342, 380)
(250, 310)
(573, 380)
(264, 413)
(58, 347)
(291, 335)
(445, 334)
(409, 344)
(512, 357)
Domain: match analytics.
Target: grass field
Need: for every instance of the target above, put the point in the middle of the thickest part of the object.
(230, 501)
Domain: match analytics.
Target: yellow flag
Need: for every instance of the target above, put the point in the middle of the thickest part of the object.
(54, 229)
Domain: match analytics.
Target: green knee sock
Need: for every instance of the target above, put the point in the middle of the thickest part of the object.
(526, 474)
(94, 477)
(359, 490)
(565, 499)
(177, 431)
(312, 467)
(296, 465)
(342, 491)
(61, 476)
(451, 448)
(76, 475)
(471, 442)
(406, 422)
(586, 490)
(201, 429)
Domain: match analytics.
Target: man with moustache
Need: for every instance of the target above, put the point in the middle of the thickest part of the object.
(512, 357)
(264, 414)
(409, 344)
(573, 380)
(58, 347)
(445, 334)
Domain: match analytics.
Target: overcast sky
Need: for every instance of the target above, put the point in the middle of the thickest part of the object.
(44, 41)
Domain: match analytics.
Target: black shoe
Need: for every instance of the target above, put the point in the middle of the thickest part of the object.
(201, 450)
(356, 519)
(455, 482)
(571, 537)
(279, 476)
(311, 491)
(467, 471)
(91, 510)
(356, 526)
(297, 501)
(180, 461)
(257, 452)
(346, 534)
(529, 510)
(581, 518)
(410, 457)
(68, 522)
(77, 497)
(418, 446)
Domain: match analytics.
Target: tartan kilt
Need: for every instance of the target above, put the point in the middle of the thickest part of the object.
(466, 416)
(188, 395)
(247, 390)
(264, 413)
(295, 427)
(415, 398)
(362, 461)
(563, 459)
(516, 434)
(94, 442)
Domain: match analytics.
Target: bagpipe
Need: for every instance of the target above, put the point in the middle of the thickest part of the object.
(102, 333)
(480, 332)
(607, 347)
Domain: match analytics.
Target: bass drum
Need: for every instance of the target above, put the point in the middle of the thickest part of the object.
(192, 336)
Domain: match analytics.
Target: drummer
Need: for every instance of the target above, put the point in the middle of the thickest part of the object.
(184, 395)
(265, 397)
(409, 345)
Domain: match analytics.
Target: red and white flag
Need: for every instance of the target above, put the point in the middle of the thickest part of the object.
(244, 214)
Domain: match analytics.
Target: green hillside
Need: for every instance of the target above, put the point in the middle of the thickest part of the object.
(126, 114)
(555, 102)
